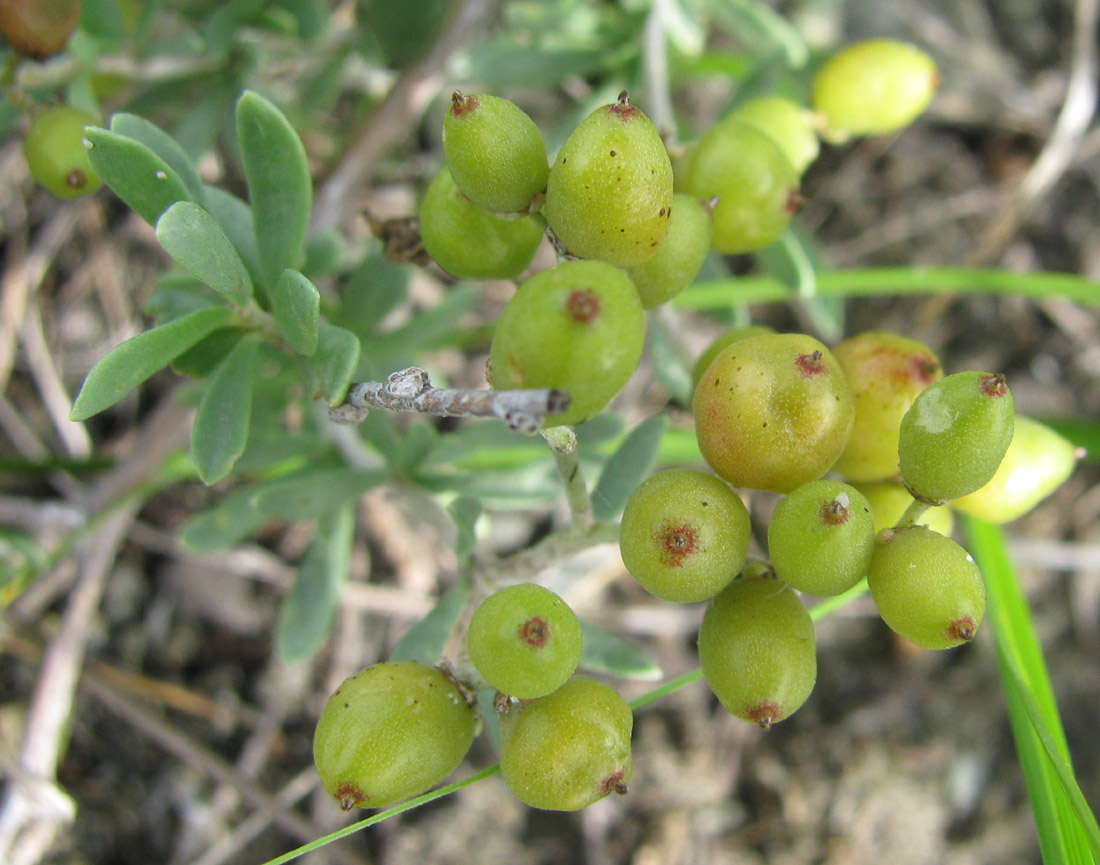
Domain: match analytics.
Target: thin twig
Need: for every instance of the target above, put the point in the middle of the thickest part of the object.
(410, 390)
(563, 445)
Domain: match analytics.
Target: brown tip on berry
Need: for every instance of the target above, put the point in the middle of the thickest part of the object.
(622, 107)
(583, 305)
(535, 632)
(614, 783)
(810, 364)
(795, 200)
(994, 385)
(764, 715)
(349, 796)
(675, 544)
(962, 630)
(76, 179)
(835, 511)
(925, 369)
(462, 104)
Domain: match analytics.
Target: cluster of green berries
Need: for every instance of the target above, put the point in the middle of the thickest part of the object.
(776, 412)
(396, 729)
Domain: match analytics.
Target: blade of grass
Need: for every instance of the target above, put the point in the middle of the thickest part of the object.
(894, 281)
(1063, 838)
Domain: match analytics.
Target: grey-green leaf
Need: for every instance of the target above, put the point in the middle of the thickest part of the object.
(220, 431)
(137, 175)
(333, 363)
(465, 511)
(628, 467)
(130, 363)
(223, 526)
(297, 306)
(308, 610)
(163, 145)
(605, 652)
(309, 494)
(280, 189)
(235, 218)
(195, 240)
(424, 641)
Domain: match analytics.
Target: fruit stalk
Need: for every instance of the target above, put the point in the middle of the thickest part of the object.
(411, 390)
(563, 445)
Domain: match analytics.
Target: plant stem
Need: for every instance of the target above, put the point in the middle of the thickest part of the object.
(563, 445)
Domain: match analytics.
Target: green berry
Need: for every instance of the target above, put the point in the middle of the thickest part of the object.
(820, 538)
(755, 185)
(38, 28)
(390, 732)
(609, 194)
(758, 650)
(468, 241)
(874, 88)
(772, 412)
(1036, 463)
(495, 152)
(787, 123)
(578, 327)
(564, 751)
(684, 535)
(56, 154)
(889, 501)
(525, 641)
(926, 587)
(955, 435)
(885, 372)
(679, 256)
(734, 334)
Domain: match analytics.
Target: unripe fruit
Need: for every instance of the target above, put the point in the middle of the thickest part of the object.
(564, 751)
(390, 732)
(609, 194)
(955, 435)
(679, 256)
(734, 334)
(495, 152)
(787, 123)
(755, 185)
(926, 587)
(468, 241)
(874, 88)
(578, 327)
(525, 641)
(820, 538)
(772, 412)
(38, 28)
(758, 650)
(1036, 463)
(889, 501)
(684, 535)
(885, 372)
(55, 151)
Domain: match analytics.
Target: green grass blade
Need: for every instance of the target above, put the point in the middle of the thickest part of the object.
(1063, 838)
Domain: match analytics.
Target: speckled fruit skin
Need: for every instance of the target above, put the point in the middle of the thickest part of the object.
(468, 241)
(889, 500)
(525, 641)
(955, 435)
(755, 184)
(885, 372)
(55, 151)
(734, 334)
(564, 751)
(874, 88)
(609, 194)
(495, 152)
(679, 256)
(758, 650)
(772, 412)
(579, 327)
(787, 123)
(390, 732)
(820, 538)
(684, 535)
(926, 587)
(1036, 463)
(38, 28)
